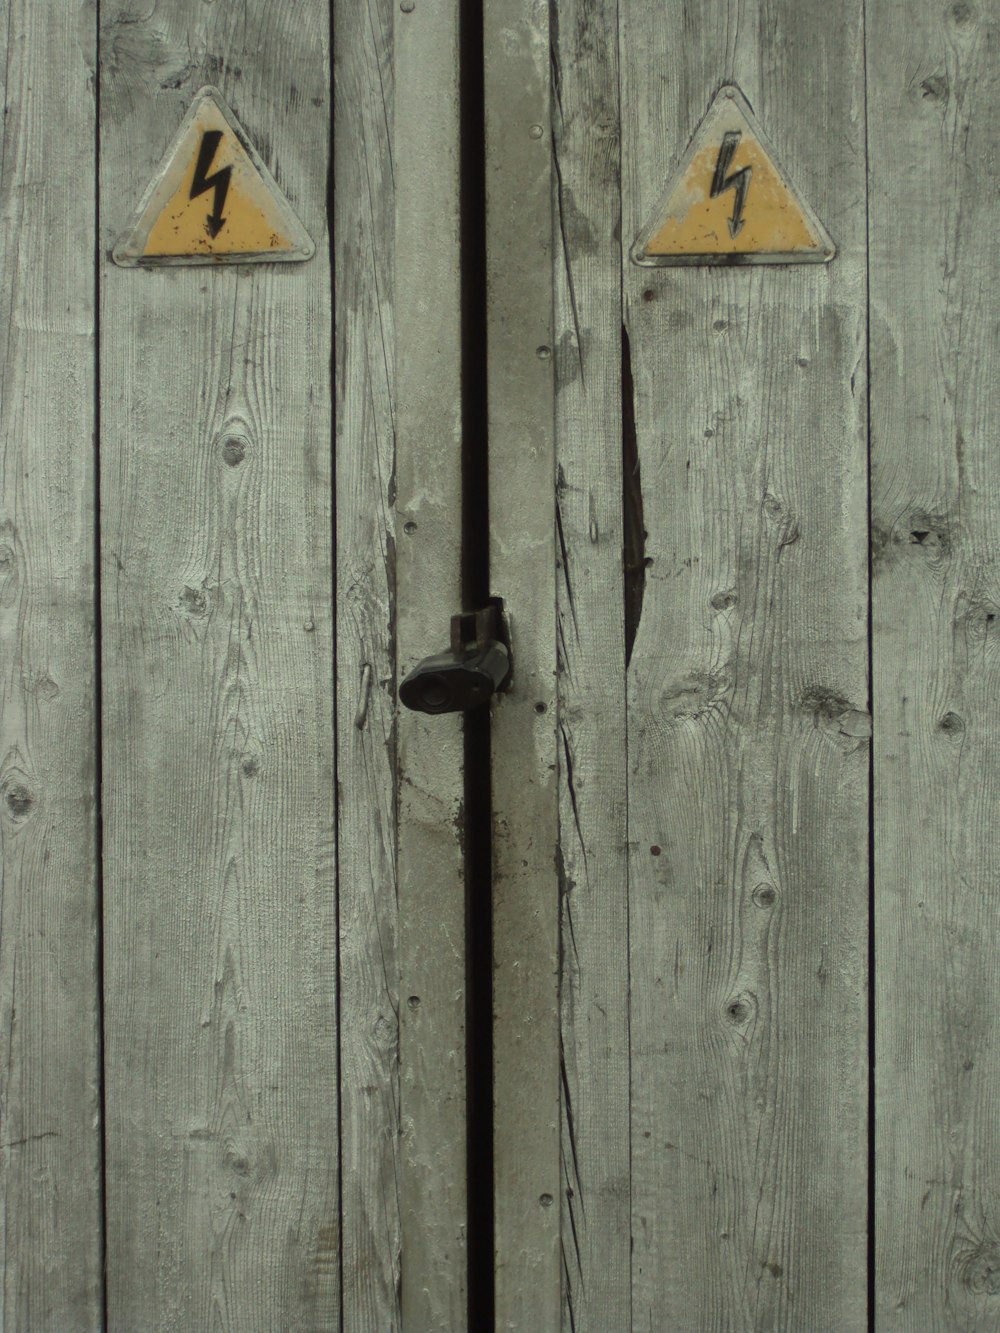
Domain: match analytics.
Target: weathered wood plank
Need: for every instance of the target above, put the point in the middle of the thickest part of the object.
(747, 721)
(592, 792)
(399, 449)
(522, 571)
(216, 556)
(934, 84)
(50, 1222)
(428, 506)
(366, 744)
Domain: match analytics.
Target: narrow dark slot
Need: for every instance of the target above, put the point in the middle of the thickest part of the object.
(331, 176)
(475, 594)
(99, 685)
(634, 530)
(871, 902)
(871, 1255)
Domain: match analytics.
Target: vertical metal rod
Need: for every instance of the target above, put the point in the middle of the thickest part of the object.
(475, 593)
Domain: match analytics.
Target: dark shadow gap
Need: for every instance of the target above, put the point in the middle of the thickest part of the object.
(632, 518)
(331, 166)
(99, 687)
(475, 594)
(871, 710)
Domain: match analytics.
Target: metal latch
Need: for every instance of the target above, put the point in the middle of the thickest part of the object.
(467, 676)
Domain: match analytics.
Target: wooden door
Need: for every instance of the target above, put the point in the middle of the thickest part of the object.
(776, 693)
(212, 815)
(659, 997)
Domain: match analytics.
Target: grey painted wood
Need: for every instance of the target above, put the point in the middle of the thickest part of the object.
(50, 1219)
(933, 91)
(220, 913)
(428, 593)
(592, 777)
(522, 570)
(747, 700)
(366, 746)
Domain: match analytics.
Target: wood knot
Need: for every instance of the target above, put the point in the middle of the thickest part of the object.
(233, 449)
(385, 1033)
(979, 1269)
(193, 601)
(833, 713)
(236, 1161)
(740, 1009)
(19, 800)
(977, 617)
(8, 575)
(776, 512)
(932, 532)
(693, 695)
(45, 687)
(951, 724)
(934, 89)
(961, 14)
(765, 895)
(933, 535)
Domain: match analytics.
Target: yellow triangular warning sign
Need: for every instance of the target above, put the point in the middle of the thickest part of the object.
(729, 202)
(212, 201)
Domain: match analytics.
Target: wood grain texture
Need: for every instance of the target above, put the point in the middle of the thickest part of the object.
(50, 1221)
(592, 776)
(366, 741)
(934, 83)
(522, 571)
(220, 921)
(429, 592)
(747, 700)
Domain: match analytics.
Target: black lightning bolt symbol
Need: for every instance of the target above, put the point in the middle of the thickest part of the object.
(218, 181)
(738, 181)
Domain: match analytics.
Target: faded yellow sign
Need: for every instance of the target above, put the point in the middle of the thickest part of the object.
(212, 200)
(729, 201)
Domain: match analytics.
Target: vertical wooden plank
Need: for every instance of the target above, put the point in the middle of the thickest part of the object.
(592, 778)
(366, 741)
(522, 565)
(747, 699)
(216, 555)
(934, 85)
(50, 1222)
(429, 592)
(404, 1104)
